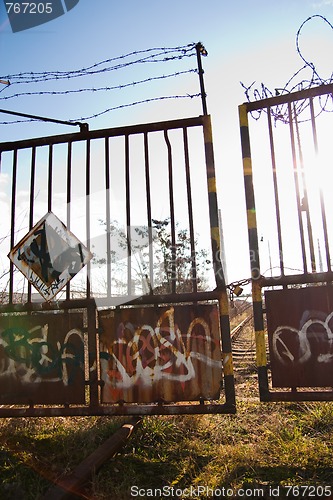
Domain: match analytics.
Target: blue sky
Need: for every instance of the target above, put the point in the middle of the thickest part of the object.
(246, 41)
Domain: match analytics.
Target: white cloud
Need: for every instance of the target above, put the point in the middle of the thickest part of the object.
(322, 3)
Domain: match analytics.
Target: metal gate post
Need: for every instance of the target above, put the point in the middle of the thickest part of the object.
(218, 266)
(261, 358)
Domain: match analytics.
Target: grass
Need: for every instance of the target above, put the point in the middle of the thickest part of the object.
(260, 450)
(265, 445)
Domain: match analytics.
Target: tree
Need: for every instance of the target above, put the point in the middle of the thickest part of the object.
(157, 265)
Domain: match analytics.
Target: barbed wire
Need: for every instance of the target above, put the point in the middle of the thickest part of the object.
(35, 77)
(121, 106)
(99, 89)
(151, 55)
(295, 83)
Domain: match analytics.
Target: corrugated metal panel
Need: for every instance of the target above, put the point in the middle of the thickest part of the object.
(42, 359)
(300, 333)
(164, 354)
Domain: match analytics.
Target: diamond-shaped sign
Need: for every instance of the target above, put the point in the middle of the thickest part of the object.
(49, 256)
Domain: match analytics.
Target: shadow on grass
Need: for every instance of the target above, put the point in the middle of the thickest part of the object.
(263, 480)
(19, 481)
(34, 453)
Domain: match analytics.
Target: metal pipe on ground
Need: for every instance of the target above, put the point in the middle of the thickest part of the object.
(69, 487)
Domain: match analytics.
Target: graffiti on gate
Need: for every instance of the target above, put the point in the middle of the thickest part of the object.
(300, 334)
(36, 351)
(312, 329)
(167, 354)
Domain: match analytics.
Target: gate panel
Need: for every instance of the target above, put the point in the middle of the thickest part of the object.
(161, 354)
(289, 213)
(42, 359)
(299, 323)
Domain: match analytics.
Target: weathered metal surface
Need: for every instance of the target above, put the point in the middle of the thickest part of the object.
(42, 359)
(300, 333)
(160, 354)
(49, 256)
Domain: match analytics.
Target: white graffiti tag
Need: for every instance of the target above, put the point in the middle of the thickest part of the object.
(160, 353)
(315, 327)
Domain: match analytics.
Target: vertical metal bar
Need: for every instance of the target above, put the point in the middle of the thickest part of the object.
(108, 217)
(68, 208)
(305, 201)
(93, 358)
(201, 51)
(149, 216)
(190, 212)
(32, 198)
(50, 179)
(228, 367)
(297, 188)
(212, 200)
(258, 314)
(12, 226)
(128, 216)
(172, 215)
(276, 192)
(88, 212)
(321, 194)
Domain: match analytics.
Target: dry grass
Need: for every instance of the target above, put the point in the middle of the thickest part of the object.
(262, 446)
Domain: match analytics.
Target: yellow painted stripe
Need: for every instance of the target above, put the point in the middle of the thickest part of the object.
(215, 234)
(243, 120)
(251, 218)
(208, 134)
(261, 348)
(211, 185)
(228, 366)
(224, 305)
(256, 292)
(247, 166)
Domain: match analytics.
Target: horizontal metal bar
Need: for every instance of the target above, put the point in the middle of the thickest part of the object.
(102, 133)
(119, 410)
(297, 279)
(47, 306)
(83, 126)
(293, 96)
(109, 302)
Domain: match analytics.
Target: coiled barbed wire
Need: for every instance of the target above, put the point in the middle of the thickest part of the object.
(295, 83)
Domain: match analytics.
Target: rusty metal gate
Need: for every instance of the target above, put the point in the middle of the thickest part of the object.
(113, 300)
(287, 176)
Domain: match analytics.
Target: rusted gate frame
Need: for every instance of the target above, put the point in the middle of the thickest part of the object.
(126, 132)
(219, 296)
(259, 282)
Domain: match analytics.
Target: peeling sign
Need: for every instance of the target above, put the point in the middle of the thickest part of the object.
(49, 256)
